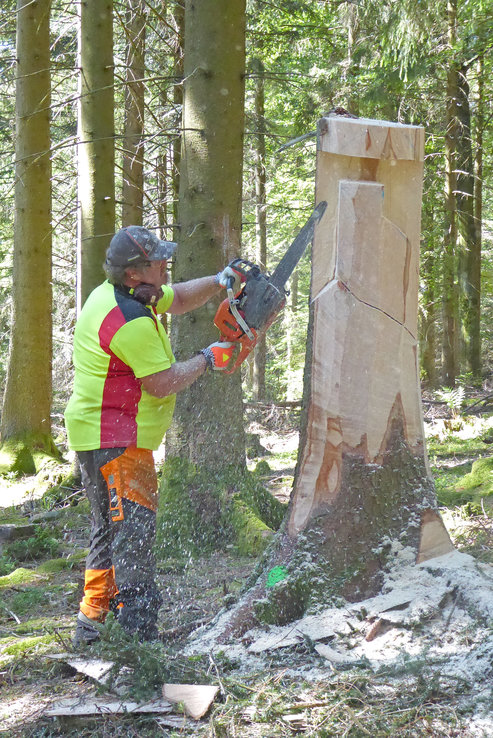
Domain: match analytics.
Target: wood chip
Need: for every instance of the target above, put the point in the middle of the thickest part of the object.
(336, 657)
(375, 630)
(94, 668)
(196, 698)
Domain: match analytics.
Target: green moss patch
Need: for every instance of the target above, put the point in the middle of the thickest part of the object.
(53, 566)
(252, 534)
(19, 576)
(11, 516)
(478, 484)
(28, 454)
(24, 646)
(202, 511)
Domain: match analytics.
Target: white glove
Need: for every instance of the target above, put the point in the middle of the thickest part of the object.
(228, 278)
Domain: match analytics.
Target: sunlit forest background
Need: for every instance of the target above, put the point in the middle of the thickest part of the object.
(421, 63)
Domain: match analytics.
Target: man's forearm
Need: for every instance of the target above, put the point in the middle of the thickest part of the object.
(178, 377)
(193, 294)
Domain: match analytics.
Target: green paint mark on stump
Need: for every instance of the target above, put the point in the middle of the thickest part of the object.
(277, 574)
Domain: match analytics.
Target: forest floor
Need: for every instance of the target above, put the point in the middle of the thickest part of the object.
(418, 666)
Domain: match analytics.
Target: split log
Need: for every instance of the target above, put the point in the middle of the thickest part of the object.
(362, 482)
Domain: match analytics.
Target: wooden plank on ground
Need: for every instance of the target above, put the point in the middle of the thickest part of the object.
(196, 698)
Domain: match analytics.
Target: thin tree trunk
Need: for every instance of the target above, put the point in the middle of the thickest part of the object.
(469, 257)
(352, 66)
(259, 361)
(133, 136)
(96, 153)
(208, 424)
(478, 158)
(474, 264)
(179, 22)
(450, 344)
(428, 318)
(27, 402)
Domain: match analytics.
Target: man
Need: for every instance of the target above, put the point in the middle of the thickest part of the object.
(122, 403)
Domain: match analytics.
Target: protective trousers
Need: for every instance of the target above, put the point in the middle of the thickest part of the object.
(121, 485)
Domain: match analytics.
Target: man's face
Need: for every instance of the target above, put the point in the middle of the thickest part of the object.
(155, 273)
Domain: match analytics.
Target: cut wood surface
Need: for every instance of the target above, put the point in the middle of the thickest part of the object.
(196, 698)
(364, 371)
(362, 481)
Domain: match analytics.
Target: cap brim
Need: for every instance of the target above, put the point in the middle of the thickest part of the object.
(164, 250)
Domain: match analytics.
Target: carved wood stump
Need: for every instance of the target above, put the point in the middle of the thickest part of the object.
(363, 489)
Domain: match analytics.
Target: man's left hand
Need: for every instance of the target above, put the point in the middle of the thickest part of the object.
(229, 278)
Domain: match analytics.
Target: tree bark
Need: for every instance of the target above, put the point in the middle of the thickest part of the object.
(133, 133)
(470, 256)
(96, 150)
(363, 488)
(428, 317)
(208, 424)
(179, 23)
(27, 401)
(450, 294)
(260, 355)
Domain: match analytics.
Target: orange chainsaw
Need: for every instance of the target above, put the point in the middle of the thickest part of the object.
(244, 317)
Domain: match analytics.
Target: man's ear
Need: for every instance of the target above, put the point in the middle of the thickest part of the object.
(133, 275)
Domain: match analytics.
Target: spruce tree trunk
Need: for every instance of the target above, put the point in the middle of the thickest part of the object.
(260, 355)
(133, 134)
(27, 402)
(428, 317)
(362, 486)
(96, 150)
(352, 66)
(208, 423)
(470, 257)
(179, 22)
(478, 170)
(450, 294)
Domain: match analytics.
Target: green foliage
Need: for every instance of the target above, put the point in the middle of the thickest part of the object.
(453, 397)
(42, 543)
(151, 664)
(28, 600)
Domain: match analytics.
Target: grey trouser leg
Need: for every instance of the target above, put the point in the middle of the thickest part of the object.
(123, 542)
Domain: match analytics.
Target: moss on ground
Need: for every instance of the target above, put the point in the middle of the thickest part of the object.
(11, 516)
(18, 577)
(22, 646)
(53, 566)
(478, 483)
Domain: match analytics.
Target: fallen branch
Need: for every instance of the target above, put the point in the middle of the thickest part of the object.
(285, 403)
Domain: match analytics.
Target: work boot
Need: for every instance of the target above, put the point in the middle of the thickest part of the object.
(86, 631)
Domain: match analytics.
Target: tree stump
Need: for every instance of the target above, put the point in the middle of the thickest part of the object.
(362, 486)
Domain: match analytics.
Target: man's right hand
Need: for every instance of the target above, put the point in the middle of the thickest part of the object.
(218, 355)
